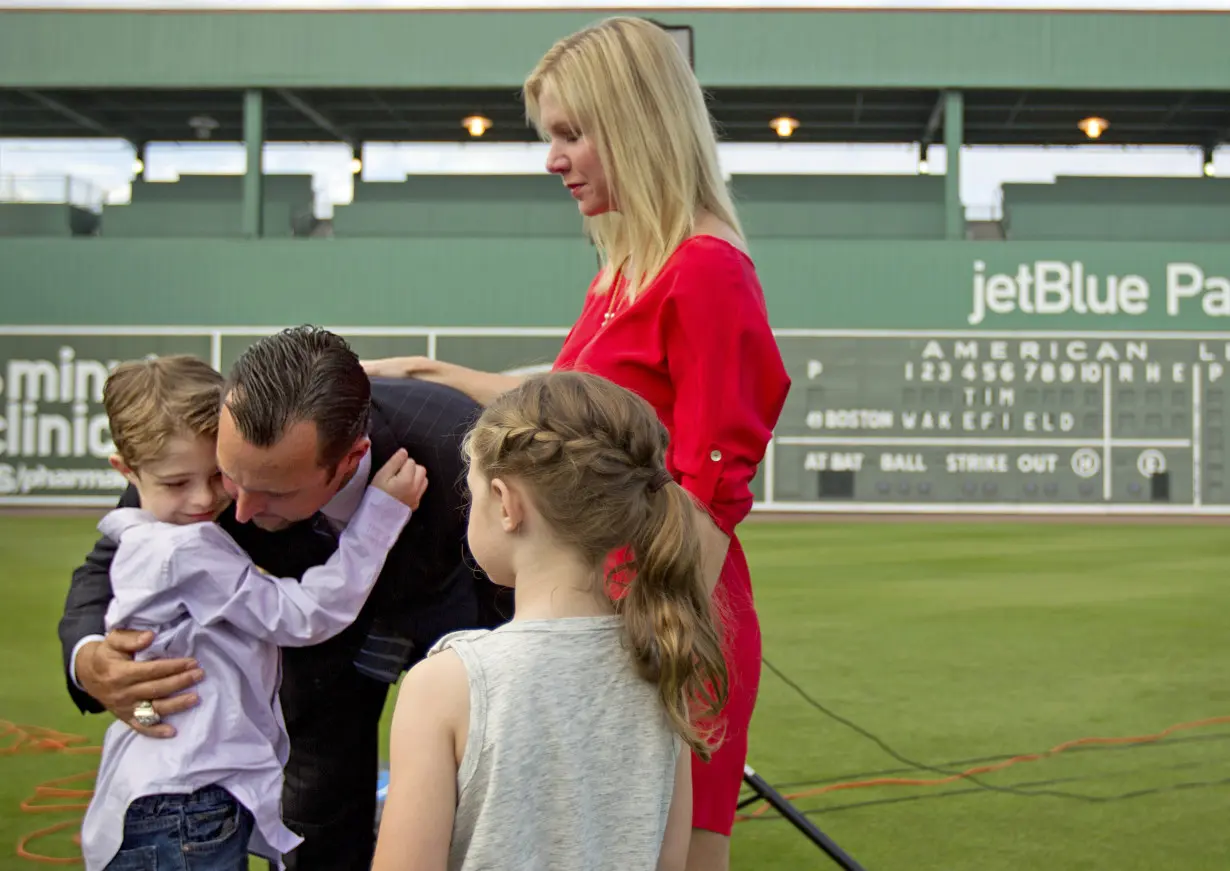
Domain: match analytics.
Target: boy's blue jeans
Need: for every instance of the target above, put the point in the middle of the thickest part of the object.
(207, 830)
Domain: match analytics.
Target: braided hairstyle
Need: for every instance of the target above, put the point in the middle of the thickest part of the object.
(591, 455)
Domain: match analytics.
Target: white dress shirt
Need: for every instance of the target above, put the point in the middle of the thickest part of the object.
(203, 598)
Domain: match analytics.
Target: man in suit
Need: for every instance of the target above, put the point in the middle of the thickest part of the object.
(301, 431)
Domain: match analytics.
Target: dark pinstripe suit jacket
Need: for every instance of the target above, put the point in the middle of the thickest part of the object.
(429, 585)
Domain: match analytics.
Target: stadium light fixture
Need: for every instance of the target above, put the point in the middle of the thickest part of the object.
(203, 125)
(1093, 127)
(784, 125)
(476, 124)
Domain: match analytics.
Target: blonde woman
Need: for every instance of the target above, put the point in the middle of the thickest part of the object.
(676, 314)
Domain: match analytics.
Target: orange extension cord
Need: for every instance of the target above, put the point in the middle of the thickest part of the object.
(36, 739)
(985, 769)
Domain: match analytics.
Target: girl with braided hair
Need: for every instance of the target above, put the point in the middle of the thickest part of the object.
(676, 313)
(560, 740)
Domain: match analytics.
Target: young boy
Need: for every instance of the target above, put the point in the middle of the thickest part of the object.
(212, 793)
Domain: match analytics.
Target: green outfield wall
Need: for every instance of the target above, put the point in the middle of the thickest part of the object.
(927, 376)
(536, 282)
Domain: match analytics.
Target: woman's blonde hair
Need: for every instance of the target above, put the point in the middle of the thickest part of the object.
(625, 84)
(591, 456)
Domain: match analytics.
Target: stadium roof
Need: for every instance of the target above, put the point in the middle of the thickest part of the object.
(862, 115)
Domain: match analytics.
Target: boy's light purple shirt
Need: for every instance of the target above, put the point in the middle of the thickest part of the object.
(203, 597)
(337, 511)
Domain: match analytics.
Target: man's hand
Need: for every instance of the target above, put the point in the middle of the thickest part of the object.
(399, 367)
(106, 670)
(403, 479)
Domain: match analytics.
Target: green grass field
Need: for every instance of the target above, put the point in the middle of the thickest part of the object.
(956, 644)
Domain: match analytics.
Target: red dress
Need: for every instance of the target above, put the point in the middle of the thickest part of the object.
(696, 345)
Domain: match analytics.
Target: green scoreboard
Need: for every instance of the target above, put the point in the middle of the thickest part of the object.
(1001, 421)
(876, 421)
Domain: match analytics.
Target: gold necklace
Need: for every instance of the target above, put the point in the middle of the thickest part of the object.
(611, 308)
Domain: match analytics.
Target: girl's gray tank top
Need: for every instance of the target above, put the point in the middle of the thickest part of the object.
(569, 763)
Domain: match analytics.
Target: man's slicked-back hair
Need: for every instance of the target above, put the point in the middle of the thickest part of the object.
(301, 374)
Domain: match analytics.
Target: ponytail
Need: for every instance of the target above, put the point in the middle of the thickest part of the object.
(668, 616)
(593, 455)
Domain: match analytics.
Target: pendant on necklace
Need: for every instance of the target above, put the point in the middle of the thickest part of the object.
(612, 308)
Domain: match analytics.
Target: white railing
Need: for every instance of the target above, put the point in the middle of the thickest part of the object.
(79, 192)
(985, 212)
